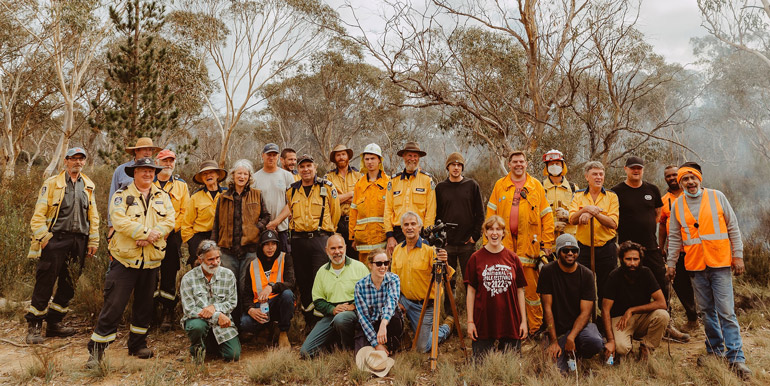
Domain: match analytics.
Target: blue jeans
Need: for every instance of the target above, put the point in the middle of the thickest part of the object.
(340, 327)
(587, 344)
(714, 292)
(424, 339)
(240, 268)
(281, 310)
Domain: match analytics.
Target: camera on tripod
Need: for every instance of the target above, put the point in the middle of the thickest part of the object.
(436, 235)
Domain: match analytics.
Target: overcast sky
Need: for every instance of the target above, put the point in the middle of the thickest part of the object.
(669, 25)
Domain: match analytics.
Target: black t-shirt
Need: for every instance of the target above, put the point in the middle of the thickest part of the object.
(460, 203)
(626, 294)
(637, 220)
(568, 289)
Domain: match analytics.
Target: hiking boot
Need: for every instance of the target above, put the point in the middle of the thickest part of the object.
(57, 329)
(95, 357)
(450, 321)
(644, 353)
(741, 370)
(33, 333)
(691, 326)
(168, 319)
(142, 353)
(283, 340)
(701, 361)
(674, 334)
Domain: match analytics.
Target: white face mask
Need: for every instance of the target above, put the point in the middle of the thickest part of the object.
(554, 169)
(209, 269)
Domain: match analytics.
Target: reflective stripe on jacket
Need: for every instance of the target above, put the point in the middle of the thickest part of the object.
(367, 213)
(259, 279)
(47, 211)
(535, 218)
(133, 218)
(705, 240)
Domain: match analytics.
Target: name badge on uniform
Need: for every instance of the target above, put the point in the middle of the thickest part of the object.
(397, 192)
(159, 202)
(323, 190)
(421, 190)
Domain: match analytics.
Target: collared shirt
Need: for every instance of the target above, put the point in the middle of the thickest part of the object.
(180, 194)
(119, 180)
(414, 267)
(198, 293)
(367, 221)
(199, 216)
(607, 200)
(410, 192)
(73, 214)
(344, 184)
(560, 196)
(306, 209)
(330, 288)
(375, 304)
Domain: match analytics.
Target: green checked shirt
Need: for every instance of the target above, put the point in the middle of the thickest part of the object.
(198, 293)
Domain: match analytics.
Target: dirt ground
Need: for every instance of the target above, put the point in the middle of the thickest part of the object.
(172, 365)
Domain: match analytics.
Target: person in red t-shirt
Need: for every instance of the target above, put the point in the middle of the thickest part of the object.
(495, 301)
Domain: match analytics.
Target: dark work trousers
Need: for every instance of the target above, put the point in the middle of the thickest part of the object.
(606, 260)
(457, 254)
(395, 333)
(169, 266)
(343, 228)
(653, 260)
(683, 287)
(118, 286)
(285, 238)
(281, 311)
(64, 252)
(192, 246)
(309, 255)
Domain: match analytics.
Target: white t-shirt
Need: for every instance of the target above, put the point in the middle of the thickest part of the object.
(273, 186)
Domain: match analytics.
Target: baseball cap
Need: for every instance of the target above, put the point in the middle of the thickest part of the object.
(270, 148)
(304, 158)
(165, 153)
(634, 161)
(76, 150)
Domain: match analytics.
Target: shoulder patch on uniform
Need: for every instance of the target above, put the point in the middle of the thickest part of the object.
(117, 201)
(43, 190)
(390, 186)
(334, 193)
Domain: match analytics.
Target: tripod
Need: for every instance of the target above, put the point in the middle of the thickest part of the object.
(438, 283)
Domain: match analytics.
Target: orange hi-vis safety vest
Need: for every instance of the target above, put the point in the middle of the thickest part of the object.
(259, 279)
(705, 240)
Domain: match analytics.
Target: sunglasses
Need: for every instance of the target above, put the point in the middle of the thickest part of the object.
(569, 250)
(381, 263)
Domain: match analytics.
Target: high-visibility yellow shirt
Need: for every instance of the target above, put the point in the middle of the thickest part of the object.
(344, 184)
(306, 210)
(608, 201)
(535, 217)
(179, 192)
(199, 216)
(410, 192)
(367, 213)
(560, 196)
(415, 269)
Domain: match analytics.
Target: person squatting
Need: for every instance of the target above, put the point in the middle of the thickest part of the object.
(347, 250)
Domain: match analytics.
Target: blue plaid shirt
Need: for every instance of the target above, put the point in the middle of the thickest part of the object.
(373, 304)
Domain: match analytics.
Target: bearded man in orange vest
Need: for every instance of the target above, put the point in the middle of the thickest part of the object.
(704, 225)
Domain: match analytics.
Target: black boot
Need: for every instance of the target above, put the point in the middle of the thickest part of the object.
(168, 319)
(57, 329)
(34, 333)
(96, 354)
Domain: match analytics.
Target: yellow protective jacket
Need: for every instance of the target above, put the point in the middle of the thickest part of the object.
(367, 221)
(47, 211)
(410, 192)
(344, 185)
(560, 196)
(535, 218)
(306, 211)
(179, 192)
(133, 218)
(199, 216)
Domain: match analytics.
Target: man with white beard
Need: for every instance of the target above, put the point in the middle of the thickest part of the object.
(179, 194)
(209, 295)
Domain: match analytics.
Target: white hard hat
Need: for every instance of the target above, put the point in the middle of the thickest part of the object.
(373, 148)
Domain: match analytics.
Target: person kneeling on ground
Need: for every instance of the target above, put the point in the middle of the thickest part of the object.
(495, 300)
(209, 296)
(272, 286)
(568, 292)
(333, 295)
(376, 298)
(627, 311)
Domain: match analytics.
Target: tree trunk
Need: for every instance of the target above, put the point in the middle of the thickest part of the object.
(64, 140)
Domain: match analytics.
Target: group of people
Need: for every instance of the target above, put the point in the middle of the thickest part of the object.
(348, 247)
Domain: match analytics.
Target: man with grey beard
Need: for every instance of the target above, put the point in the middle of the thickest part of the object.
(179, 194)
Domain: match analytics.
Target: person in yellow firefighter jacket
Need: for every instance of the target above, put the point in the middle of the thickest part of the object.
(142, 215)
(520, 200)
(367, 221)
(344, 177)
(201, 207)
(558, 191)
(411, 190)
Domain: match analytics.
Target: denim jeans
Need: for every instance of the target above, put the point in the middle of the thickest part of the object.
(329, 330)
(240, 268)
(587, 344)
(281, 310)
(424, 339)
(714, 294)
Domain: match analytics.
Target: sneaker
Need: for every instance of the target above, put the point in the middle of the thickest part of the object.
(34, 334)
(741, 370)
(57, 329)
(142, 353)
(674, 334)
